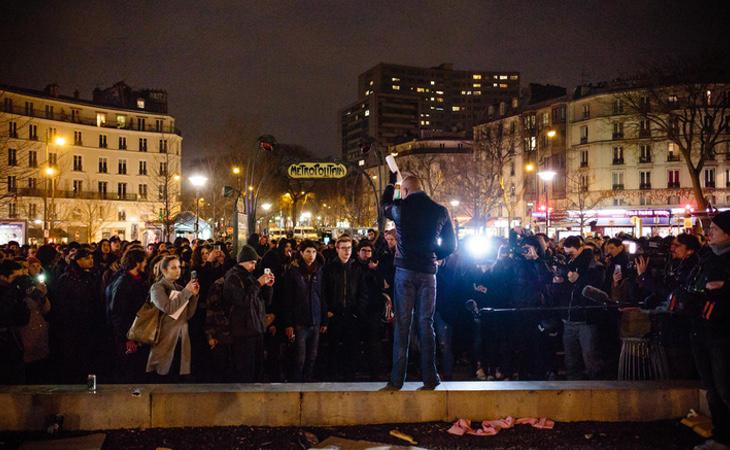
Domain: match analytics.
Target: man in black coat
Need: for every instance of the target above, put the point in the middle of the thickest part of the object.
(346, 301)
(76, 323)
(242, 297)
(125, 296)
(424, 235)
(14, 313)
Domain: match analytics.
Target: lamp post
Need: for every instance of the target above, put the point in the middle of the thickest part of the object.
(50, 172)
(547, 176)
(198, 181)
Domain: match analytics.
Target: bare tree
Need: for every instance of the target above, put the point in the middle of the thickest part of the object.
(581, 199)
(166, 183)
(685, 102)
(483, 178)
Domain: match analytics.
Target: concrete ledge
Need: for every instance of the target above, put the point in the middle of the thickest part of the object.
(330, 404)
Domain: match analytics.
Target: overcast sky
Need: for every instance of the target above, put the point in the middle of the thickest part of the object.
(294, 64)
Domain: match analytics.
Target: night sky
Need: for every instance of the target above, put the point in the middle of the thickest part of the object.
(292, 65)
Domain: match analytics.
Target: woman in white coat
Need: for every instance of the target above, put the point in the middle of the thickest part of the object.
(170, 356)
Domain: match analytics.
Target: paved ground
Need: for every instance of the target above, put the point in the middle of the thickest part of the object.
(578, 435)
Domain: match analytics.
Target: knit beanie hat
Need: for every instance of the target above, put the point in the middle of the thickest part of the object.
(722, 220)
(247, 253)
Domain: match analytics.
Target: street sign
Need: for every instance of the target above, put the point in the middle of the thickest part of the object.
(317, 170)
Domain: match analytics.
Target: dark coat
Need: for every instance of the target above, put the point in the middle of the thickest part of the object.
(127, 294)
(242, 297)
(419, 223)
(14, 313)
(303, 303)
(571, 294)
(343, 288)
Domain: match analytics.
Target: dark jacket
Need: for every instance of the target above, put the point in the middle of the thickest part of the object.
(571, 294)
(303, 303)
(343, 288)
(712, 307)
(423, 230)
(14, 313)
(127, 293)
(242, 297)
(78, 313)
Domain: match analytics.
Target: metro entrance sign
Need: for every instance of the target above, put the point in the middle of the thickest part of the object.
(317, 170)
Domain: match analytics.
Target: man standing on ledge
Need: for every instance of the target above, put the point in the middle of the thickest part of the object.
(424, 234)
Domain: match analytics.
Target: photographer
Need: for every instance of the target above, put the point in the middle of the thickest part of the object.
(580, 333)
(710, 310)
(526, 276)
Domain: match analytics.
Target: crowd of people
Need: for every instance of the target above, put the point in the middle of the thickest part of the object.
(524, 308)
(301, 311)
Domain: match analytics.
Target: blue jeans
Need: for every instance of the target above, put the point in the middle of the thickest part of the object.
(580, 342)
(414, 292)
(445, 337)
(306, 340)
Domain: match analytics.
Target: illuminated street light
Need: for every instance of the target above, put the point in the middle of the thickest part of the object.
(50, 171)
(547, 175)
(197, 181)
(454, 203)
(59, 141)
(552, 133)
(266, 206)
(530, 167)
(236, 170)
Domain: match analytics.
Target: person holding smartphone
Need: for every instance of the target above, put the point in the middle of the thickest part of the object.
(242, 297)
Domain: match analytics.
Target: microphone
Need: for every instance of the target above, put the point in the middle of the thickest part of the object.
(596, 295)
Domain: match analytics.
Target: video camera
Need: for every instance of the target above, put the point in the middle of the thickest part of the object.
(656, 252)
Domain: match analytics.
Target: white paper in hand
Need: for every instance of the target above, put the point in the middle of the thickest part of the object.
(176, 315)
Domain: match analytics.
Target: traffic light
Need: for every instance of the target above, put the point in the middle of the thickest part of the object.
(267, 142)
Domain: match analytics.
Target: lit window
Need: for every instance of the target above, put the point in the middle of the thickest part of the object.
(463, 92)
(503, 77)
(432, 99)
(367, 112)
(503, 86)
(420, 89)
(396, 87)
(456, 108)
(495, 84)
(477, 92)
(100, 119)
(368, 92)
(140, 103)
(513, 77)
(440, 92)
(395, 79)
(433, 83)
(476, 76)
(371, 82)
(468, 92)
(477, 85)
(440, 100)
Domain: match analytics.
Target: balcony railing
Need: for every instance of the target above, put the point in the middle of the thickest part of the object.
(65, 117)
(584, 139)
(583, 164)
(618, 135)
(673, 185)
(709, 184)
(644, 159)
(644, 133)
(83, 195)
(618, 161)
(645, 186)
(618, 187)
(672, 158)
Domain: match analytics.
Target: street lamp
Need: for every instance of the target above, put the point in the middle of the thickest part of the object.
(198, 181)
(266, 206)
(454, 203)
(50, 172)
(551, 134)
(547, 176)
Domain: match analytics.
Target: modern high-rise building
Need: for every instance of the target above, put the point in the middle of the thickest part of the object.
(400, 103)
(79, 170)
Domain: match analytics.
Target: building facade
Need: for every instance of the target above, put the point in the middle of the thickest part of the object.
(81, 170)
(399, 103)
